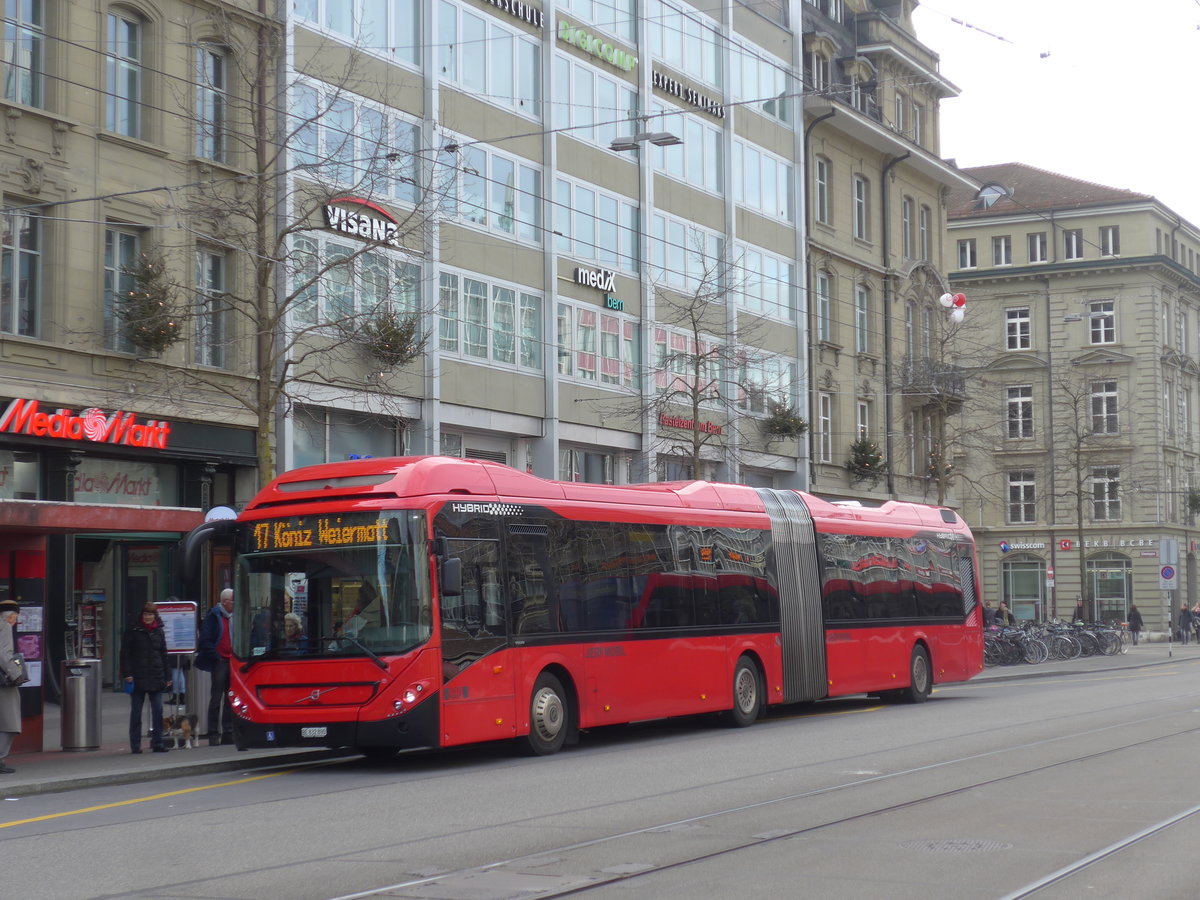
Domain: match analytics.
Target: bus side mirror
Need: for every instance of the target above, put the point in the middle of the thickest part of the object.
(451, 581)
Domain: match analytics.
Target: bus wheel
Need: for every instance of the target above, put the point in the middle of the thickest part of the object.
(920, 677)
(747, 694)
(549, 717)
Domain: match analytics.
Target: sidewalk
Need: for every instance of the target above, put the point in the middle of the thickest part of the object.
(54, 769)
(58, 770)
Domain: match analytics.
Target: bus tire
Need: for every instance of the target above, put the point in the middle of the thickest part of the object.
(747, 694)
(549, 716)
(920, 677)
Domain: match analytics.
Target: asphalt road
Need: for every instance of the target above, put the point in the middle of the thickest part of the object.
(1054, 787)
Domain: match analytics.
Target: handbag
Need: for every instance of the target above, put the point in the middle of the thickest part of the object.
(22, 676)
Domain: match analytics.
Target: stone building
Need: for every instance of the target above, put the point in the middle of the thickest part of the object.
(1079, 448)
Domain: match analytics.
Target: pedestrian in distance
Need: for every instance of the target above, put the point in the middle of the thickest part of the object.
(1004, 616)
(989, 615)
(10, 694)
(1185, 623)
(146, 671)
(1135, 622)
(213, 653)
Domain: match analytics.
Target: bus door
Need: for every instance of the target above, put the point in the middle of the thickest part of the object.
(478, 680)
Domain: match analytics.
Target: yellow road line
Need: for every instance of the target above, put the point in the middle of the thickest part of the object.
(88, 809)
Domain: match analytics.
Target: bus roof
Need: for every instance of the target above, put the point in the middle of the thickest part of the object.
(426, 476)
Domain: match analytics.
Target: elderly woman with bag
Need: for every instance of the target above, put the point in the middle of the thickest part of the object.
(10, 695)
(146, 669)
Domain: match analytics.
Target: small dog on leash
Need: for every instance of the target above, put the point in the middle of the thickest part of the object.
(181, 729)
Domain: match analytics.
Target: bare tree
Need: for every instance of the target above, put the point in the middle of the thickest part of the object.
(710, 385)
(283, 163)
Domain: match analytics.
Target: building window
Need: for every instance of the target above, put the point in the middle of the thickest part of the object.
(818, 71)
(766, 285)
(1181, 330)
(478, 320)
(1022, 500)
(589, 224)
(1103, 321)
(20, 274)
(1106, 493)
(685, 256)
(910, 320)
(1020, 412)
(211, 103)
(24, 46)
(1168, 407)
(329, 435)
(121, 248)
(862, 208)
(1104, 407)
(906, 227)
(1073, 243)
(493, 63)
(926, 223)
(1037, 246)
(918, 123)
(502, 195)
(900, 123)
(587, 467)
(823, 284)
(966, 254)
(124, 76)
(862, 318)
(212, 312)
(758, 80)
(822, 174)
(761, 380)
(862, 419)
(825, 428)
(1020, 328)
(761, 181)
(1110, 240)
(1002, 251)
(687, 41)
(597, 347)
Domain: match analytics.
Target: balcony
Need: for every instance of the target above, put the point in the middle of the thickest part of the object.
(928, 382)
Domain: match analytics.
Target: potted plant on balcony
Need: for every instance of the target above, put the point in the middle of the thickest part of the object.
(147, 308)
(783, 421)
(866, 462)
(393, 339)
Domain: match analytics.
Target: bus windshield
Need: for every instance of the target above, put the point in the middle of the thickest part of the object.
(348, 584)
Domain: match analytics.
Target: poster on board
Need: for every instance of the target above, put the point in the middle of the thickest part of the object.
(179, 625)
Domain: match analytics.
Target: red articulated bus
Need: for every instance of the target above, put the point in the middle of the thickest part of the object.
(415, 602)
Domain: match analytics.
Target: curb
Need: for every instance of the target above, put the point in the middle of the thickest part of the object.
(58, 785)
(1003, 675)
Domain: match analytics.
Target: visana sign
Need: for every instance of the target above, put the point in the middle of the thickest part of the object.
(119, 427)
(602, 279)
(365, 220)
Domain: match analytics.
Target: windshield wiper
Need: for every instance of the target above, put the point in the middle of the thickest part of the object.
(365, 649)
(268, 653)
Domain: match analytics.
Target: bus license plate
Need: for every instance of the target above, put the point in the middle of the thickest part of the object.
(313, 731)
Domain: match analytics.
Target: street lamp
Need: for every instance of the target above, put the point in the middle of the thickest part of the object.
(658, 138)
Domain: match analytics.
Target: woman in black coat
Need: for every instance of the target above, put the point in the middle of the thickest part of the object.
(146, 670)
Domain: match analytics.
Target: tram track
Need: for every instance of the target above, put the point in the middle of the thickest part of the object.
(443, 883)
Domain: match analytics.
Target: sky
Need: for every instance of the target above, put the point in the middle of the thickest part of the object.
(1104, 90)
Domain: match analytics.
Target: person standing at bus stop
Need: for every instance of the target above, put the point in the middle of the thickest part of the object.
(214, 650)
(10, 695)
(146, 668)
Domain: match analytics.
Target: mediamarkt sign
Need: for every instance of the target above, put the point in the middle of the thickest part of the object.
(118, 427)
